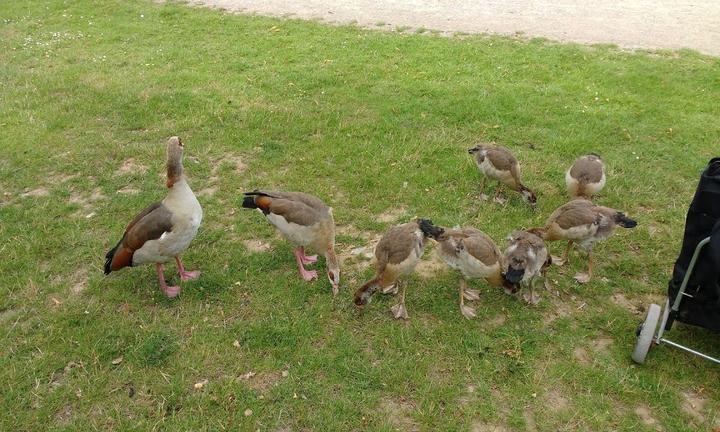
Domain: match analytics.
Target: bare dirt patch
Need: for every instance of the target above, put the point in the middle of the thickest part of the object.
(261, 381)
(392, 214)
(398, 413)
(207, 192)
(495, 321)
(581, 355)
(86, 201)
(59, 178)
(58, 377)
(529, 416)
(130, 166)
(559, 309)
(646, 416)
(466, 398)
(693, 404)
(256, 246)
(602, 344)
(80, 281)
(233, 160)
(128, 190)
(37, 192)
(64, 416)
(429, 268)
(622, 301)
(556, 401)
(479, 426)
(358, 258)
(359, 255)
(8, 314)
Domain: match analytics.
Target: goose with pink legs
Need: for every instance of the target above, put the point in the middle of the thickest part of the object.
(305, 221)
(164, 230)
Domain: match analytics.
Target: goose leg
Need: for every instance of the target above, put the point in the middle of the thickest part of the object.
(585, 277)
(498, 192)
(483, 196)
(306, 275)
(170, 291)
(533, 298)
(185, 275)
(562, 261)
(467, 311)
(392, 289)
(307, 259)
(399, 310)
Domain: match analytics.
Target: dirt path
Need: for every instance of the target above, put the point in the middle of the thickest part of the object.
(630, 23)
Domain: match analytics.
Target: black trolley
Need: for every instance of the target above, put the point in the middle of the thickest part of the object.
(694, 290)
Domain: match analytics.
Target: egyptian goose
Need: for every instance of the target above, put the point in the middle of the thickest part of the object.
(582, 222)
(305, 221)
(475, 255)
(498, 163)
(164, 230)
(525, 259)
(397, 254)
(586, 177)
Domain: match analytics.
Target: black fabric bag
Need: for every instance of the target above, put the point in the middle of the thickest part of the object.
(703, 220)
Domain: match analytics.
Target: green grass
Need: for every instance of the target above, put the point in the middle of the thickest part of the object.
(370, 121)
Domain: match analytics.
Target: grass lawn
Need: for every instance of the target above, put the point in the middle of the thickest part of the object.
(377, 124)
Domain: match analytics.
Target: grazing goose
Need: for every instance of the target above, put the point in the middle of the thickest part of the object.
(526, 258)
(164, 230)
(582, 222)
(586, 177)
(475, 255)
(397, 254)
(305, 221)
(499, 164)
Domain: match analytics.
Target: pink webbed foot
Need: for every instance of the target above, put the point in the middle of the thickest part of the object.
(311, 259)
(171, 291)
(189, 275)
(308, 275)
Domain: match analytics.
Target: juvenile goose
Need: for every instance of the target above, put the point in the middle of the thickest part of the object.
(586, 177)
(475, 255)
(305, 221)
(397, 254)
(498, 163)
(525, 258)
(164, 230)
(582, 222)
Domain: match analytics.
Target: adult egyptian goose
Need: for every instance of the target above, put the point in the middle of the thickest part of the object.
(474, 255)
(582, 222)
(305, 221)
(498, 163)
(164, 230)
(525, 259)
(397, 254)
(586, 177)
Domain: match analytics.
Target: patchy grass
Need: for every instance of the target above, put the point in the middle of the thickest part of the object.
(376, 123)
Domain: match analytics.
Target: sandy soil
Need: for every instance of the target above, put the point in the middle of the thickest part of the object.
(629, 23)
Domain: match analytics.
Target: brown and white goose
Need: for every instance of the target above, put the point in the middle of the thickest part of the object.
(397, 254)
(163, 231)
(525, 259)
(305, 221)
(582, 222)
(586, 177)
(475, 256)
(498, 163)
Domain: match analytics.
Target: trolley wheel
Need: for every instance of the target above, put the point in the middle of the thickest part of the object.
(646, 334)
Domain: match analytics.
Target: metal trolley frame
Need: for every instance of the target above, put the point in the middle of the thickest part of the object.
(649, 334)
